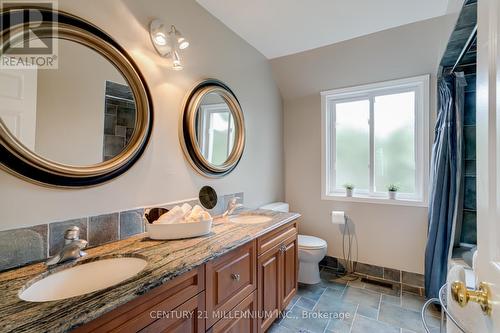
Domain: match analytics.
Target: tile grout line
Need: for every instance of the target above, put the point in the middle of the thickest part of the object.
(48, 242)
(314, 307)
(354, 318)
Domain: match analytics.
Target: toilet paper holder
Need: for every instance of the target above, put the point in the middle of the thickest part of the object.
(337, 217)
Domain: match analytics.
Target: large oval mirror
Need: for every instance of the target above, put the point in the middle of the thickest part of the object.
(79, 122)
(213, 131)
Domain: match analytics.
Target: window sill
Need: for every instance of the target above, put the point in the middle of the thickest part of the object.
(374, 200)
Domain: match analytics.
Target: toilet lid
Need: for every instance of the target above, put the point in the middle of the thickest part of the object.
(311, 242)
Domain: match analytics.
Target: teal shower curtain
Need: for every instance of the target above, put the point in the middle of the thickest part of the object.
(446, 181)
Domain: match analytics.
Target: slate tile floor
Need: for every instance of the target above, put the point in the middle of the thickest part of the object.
(337, 305)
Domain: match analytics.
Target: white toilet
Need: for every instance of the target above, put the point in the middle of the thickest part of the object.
(311, 250)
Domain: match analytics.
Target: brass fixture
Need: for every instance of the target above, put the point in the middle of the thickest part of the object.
(462, 295)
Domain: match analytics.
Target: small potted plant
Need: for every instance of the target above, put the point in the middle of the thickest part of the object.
(348, 189)
(392, 189)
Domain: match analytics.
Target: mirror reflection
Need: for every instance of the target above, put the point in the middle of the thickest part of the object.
(82, 113)
(215, 130)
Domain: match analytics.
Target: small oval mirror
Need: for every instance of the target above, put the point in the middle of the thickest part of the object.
(213, 130)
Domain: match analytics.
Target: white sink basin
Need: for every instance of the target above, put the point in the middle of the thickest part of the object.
(250, 219)
(83, 279)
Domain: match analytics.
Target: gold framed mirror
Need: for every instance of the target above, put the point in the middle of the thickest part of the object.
(80, 123)
(212, 130)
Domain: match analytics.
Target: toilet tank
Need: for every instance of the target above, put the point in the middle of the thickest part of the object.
(277, 206)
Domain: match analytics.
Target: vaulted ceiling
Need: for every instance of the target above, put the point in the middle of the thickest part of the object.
(281, 27)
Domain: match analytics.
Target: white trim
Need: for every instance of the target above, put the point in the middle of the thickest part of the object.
(419, 84)
(374, 200)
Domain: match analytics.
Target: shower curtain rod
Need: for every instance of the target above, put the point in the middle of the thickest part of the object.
(466, 47)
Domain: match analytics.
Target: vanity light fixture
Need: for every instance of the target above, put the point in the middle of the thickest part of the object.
(168, 43)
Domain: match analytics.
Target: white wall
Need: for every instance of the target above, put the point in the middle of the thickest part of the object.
(387, 235)
(162, 174)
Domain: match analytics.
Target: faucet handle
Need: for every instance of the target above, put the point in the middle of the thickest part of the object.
(72, 234)
(234, 200)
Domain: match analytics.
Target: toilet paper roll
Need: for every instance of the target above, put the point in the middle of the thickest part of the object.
(338, 217)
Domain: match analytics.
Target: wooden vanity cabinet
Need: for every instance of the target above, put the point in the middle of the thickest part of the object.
(290, 271)
(184, 293)
(269, 275)
(241, 319)
(229, 279)
(187, 318)
(257, 278)
(277, 276)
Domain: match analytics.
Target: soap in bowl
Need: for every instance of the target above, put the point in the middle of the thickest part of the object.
(178, 230)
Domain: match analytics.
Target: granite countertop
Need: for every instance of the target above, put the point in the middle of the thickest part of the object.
(166, 260)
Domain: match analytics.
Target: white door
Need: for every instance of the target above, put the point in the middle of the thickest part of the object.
(488, 154)
(488, 170)
(18, 90)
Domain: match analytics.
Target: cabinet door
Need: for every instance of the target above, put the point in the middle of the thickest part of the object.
(290, 271)
(269, 287)
(187, 318)
(242, 319)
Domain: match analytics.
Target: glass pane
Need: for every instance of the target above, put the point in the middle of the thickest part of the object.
(353, 144)
(215, 132)
(218, 147)
(395, 141)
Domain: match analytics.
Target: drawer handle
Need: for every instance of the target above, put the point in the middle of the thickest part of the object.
(282, 248)
(235, 276)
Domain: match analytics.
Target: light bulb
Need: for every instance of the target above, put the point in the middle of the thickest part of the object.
(160, 39)
(183, 44)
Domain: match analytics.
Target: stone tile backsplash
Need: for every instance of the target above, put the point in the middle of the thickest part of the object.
(103, 229)
(131, 223)
(22, 246)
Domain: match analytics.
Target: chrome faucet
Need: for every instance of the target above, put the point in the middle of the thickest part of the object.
(232, 205)
(72, 249)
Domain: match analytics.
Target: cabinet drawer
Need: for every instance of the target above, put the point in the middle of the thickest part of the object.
(270, 240)
(230, 279)
(241, 319)
(136, 314)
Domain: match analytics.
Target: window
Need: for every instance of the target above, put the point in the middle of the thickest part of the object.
(217, 128)
(376, 135)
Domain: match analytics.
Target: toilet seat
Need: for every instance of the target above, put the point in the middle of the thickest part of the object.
(311, 243)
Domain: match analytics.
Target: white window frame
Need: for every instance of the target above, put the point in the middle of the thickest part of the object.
(419, 84)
